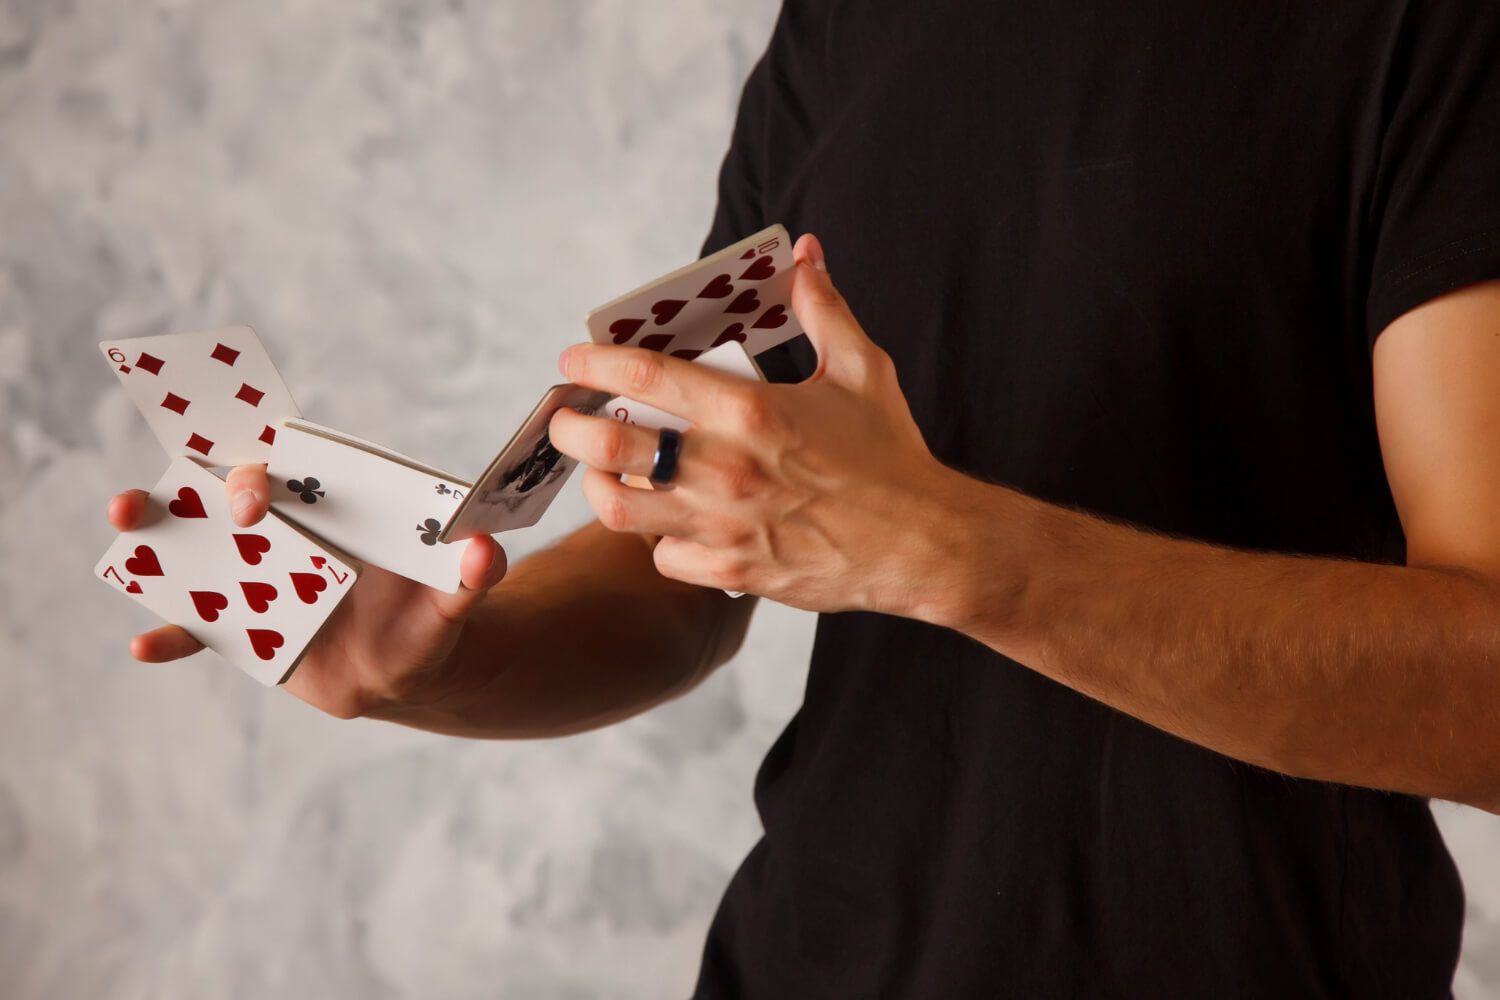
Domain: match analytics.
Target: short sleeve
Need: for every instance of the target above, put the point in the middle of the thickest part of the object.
(741, 203)
(741, 208)
(1436, 193)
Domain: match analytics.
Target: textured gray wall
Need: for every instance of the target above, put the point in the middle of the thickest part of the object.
(413, 202)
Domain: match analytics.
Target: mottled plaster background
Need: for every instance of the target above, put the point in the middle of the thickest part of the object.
(413, 202)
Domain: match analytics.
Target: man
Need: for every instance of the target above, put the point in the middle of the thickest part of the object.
(1163, 588)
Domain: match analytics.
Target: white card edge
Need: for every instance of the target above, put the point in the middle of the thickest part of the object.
(371, 448)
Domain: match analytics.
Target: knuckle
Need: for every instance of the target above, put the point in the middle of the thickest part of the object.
(612, 446)
(739, 478)
(347, 704)
(872, 363)
(730, 536)
(734, 573)
(661, 558)
(613, 512)
(643, 371)
(880, 361)
(751, 411)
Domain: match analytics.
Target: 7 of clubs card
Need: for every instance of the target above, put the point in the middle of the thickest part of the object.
(379, 506)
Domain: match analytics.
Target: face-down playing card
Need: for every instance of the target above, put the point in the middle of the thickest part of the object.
(379, 506)
(520, 483)
(255, 596)
(742, 293)
(212, 396)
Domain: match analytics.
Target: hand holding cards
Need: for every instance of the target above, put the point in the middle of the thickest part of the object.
(214, 398)
(256, 596)
(396, 513)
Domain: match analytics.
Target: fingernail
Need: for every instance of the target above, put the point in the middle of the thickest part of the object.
(244, 503)
(564, 360)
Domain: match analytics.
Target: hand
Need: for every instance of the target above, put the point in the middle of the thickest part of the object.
(818, 495)
(383, 647)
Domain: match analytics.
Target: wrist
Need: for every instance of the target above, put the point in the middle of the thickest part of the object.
(969, 566)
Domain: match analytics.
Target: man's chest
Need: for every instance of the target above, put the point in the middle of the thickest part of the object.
(1107, 245)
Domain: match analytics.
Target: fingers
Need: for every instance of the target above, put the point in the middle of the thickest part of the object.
(249, 494)
(809, 250)
(692, 562)
(125, 509)
(482, 565)
(626, 508)
(675, 385)
(603, 443)
(168, 642)
(845, 352)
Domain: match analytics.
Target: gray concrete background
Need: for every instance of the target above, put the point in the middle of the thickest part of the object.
(413, 202)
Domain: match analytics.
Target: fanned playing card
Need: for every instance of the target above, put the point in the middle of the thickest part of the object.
(521, 482)
(256, 596)
(742, 293)
(379, 506)
(212, 396)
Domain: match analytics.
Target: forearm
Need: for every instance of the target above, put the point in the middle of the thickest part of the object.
(1372, 675)
(577, 636)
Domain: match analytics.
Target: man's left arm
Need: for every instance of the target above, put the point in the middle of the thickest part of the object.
(1384, 676)
(1373, 675)
(822, 495)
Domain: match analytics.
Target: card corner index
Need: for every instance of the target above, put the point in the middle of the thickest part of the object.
(774, 229)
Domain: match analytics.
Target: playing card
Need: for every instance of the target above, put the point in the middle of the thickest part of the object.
(731, 358)
(255, 596)
(212, 396)
(521, 482)
(379, 506)
(742, 293)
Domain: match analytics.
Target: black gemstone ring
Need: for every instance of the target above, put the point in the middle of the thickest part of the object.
(668, 447)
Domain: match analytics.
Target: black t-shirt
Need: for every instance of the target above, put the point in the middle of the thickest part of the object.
(1129, 258)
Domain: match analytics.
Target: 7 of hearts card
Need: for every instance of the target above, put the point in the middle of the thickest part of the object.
(256, 596)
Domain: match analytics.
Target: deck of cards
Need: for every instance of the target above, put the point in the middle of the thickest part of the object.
(258, 596)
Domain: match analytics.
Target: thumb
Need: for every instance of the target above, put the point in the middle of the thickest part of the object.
(845, 352)
(482, 565)
(249, 494)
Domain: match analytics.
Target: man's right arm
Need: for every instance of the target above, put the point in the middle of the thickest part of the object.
(576, 636)
(579, 635)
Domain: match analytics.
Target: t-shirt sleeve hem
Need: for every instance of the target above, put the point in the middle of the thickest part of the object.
(1462, 262)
